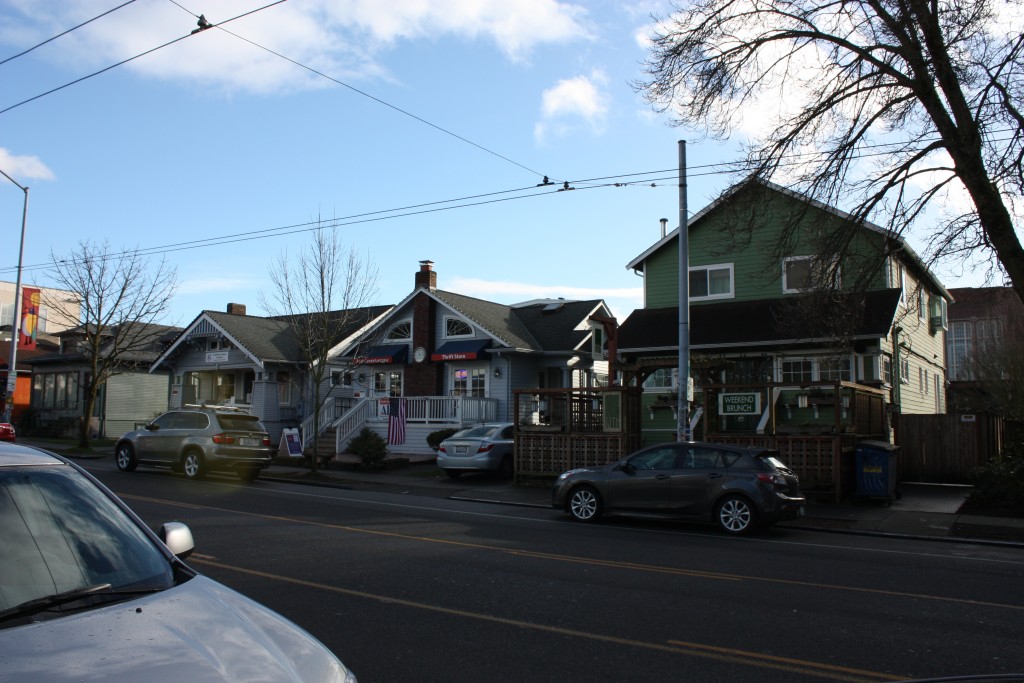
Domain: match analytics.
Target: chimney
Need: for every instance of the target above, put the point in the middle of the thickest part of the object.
(426, 277)
(664, 227)
(236, 309)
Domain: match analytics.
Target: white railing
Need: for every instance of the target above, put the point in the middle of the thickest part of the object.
(353, 418)
(441, 409)
(327, 417)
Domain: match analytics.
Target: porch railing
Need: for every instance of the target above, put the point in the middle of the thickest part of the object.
(440, 410)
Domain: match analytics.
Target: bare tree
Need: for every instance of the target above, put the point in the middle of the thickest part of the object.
(897, 106)
(120, 300)
(324, 295)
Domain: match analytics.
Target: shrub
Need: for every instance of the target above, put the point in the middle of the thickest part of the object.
(370, 447)
(999, 484)
(434, 439)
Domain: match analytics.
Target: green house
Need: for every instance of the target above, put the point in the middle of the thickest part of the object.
(802, 323)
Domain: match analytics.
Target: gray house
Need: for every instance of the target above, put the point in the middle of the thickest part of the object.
(455, 359)
(237, 359)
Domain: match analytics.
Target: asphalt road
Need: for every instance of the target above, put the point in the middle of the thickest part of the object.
(404, 588)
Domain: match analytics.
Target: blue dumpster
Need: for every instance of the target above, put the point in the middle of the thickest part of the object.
(875, 470)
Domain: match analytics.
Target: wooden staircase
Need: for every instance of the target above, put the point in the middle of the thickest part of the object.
(325, 452)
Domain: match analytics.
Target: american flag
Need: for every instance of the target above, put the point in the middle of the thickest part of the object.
(396, 422)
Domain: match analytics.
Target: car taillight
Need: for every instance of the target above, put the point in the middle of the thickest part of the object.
(776, 479)
(223, 438)
(484, 447)
(441, 449)
(266, 441)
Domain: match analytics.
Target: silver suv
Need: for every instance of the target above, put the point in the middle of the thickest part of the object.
(197, 439)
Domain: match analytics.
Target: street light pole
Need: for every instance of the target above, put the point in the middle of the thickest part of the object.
(12, 370)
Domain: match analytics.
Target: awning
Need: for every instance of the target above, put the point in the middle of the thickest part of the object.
(465, 349)
(384, 355)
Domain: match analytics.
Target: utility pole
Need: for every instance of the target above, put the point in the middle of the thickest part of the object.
(12, 369)
(683, 380)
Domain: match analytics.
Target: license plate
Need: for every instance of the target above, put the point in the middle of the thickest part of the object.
(461, 450)
(246, 441)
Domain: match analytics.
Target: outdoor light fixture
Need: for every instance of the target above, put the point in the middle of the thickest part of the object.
(497, 372)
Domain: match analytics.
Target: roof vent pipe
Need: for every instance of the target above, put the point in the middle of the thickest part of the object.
(664, 227)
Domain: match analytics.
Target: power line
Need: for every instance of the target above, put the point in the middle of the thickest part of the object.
(372, 97)
(64, 33)
(130, 59)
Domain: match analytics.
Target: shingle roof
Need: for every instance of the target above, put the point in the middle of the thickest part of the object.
(748, 323)
(541, 327)
(272, 339)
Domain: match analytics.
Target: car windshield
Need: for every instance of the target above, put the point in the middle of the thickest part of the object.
(60, 534)
(245, 423)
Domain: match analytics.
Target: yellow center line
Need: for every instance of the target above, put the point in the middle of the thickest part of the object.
(726, 655)
(718, 576)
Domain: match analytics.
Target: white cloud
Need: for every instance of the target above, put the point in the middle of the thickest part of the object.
(342, 40)
(23, 168)
(571, 100)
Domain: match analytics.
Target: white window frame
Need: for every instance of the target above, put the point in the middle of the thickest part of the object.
(731, 294)
(786, 289)
(448, 319)
(391, 336)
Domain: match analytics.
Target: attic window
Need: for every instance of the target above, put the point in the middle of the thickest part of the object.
(400, 331)
(803, 273)
(456, 327)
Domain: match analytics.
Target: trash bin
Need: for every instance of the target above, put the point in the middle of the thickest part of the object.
(875, 470)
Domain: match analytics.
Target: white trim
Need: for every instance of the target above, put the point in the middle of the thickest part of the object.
(716, 266)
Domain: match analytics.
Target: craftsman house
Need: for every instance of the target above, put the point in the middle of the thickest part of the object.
(785, 339)
(457, 359)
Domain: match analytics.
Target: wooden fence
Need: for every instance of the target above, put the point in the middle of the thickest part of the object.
(944, 449)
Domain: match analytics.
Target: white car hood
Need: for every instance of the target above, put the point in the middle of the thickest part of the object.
(199, 632)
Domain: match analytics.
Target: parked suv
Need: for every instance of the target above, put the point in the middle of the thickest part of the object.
(198, 439)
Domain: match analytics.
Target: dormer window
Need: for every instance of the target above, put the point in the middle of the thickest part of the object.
(457, 327)
(400, 331)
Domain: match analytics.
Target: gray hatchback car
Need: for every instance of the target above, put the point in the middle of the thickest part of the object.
(199, 439)
(736, 487)
(89, 593)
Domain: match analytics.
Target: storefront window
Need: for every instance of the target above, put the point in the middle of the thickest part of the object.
(469, 382)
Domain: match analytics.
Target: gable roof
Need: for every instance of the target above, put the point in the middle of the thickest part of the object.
(748, 323)
(268, 339)
(524, 327)
(905, 248)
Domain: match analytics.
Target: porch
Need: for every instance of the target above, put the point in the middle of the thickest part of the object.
(423, 414)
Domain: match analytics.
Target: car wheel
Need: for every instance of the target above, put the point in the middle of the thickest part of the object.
(506, 470)
(125, 456)
(453, 474)
(192, 464)
(584, 504)
(249, 474)
(736, 515)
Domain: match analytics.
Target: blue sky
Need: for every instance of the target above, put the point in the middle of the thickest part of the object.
(216, 136)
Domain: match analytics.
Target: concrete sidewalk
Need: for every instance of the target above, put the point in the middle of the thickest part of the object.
(921, 511)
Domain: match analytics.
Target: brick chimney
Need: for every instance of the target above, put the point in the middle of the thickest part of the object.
(236, 309)
(426, 277)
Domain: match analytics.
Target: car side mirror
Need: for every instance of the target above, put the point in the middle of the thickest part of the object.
(626, 466)
(178, 539)
(152, 427)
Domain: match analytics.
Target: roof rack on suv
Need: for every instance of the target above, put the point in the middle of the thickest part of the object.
(221, 408)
